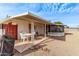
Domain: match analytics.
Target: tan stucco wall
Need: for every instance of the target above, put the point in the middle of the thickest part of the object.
(40, 28)
(22, 25)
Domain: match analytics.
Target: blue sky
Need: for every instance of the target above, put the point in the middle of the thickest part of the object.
(68, 13)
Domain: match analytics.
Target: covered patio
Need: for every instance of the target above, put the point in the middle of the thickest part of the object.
(29, 24)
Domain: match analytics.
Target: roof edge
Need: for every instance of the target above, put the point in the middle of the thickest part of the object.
(27, 13)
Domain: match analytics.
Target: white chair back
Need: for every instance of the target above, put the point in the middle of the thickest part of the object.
(21, 35)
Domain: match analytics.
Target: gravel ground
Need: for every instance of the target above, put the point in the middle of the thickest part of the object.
(69, 46)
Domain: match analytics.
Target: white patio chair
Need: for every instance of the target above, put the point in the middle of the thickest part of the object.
(23, 37)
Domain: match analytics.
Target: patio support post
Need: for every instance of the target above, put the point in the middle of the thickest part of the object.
(45, 30)
(32, 31)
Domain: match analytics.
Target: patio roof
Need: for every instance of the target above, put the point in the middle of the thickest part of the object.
(28, 15)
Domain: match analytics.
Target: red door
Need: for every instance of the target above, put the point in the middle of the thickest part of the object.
(11, 30)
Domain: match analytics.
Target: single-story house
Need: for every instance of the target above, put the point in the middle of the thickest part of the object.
(26, 22)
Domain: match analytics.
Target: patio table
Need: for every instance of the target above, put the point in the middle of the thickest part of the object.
(27, 35)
